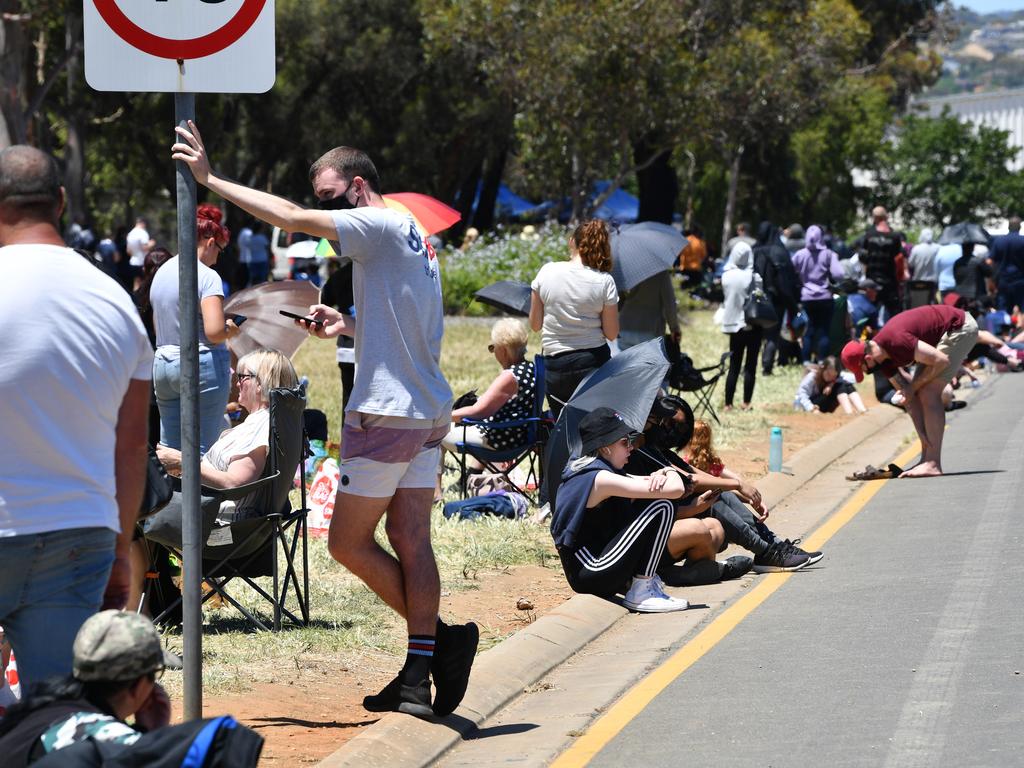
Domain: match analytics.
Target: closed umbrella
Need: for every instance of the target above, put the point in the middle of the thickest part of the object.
(265, 327)
(512, 296)
(628, 382)
(640, 251)
(964, 232)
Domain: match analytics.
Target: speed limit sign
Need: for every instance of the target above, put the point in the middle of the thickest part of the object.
(183, 46)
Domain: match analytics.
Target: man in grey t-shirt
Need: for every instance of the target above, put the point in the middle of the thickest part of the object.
(397, 414)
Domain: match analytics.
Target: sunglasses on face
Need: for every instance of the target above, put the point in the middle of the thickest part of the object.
(240, 377)
(490, 348)
(630, 441)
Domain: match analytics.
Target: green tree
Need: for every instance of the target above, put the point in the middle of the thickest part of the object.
(942, 170)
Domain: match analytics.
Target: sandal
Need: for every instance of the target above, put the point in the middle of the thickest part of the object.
(874, 473)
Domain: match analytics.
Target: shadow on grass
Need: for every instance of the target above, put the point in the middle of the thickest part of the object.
(271, 722)
(239, 624)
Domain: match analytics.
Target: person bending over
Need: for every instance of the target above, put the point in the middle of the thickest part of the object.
(612, 529)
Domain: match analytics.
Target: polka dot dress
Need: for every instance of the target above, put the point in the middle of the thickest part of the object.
(519, 407)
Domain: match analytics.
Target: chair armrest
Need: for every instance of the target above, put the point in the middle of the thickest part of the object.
(503, 424)
(231, 494)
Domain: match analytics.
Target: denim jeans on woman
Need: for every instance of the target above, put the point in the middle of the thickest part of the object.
(214, 387)
(744, 345)
(52, 583)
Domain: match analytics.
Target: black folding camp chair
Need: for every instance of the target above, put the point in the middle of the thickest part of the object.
(246, 543)
(531, 450)
(684, 376)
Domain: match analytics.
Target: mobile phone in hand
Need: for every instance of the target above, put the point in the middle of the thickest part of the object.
(305, 319)
(238, 319)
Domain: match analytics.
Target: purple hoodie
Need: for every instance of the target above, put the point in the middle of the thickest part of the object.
(813, 264)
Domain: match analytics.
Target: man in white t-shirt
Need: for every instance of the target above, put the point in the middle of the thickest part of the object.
(75, 367)
(398, 412)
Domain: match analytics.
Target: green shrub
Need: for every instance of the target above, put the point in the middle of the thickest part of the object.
(501, 255)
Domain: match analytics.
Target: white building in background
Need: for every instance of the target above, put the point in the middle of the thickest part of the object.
(997, 109)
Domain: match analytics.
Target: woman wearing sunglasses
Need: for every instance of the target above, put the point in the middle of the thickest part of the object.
(613, 530)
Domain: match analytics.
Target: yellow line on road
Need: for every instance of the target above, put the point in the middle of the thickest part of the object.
(607, 727)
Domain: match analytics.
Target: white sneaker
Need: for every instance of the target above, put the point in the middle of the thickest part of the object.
(647, 596)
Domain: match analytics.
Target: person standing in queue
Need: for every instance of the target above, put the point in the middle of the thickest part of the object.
(574, 305)
(398, 412)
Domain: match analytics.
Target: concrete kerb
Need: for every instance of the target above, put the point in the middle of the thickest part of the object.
(505, 671)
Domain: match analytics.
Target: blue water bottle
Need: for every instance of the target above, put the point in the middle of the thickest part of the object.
(775, 450)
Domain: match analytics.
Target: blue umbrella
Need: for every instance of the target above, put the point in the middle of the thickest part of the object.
(628, 382)
(640, 251)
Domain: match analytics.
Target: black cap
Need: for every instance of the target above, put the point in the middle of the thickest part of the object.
(603, 426)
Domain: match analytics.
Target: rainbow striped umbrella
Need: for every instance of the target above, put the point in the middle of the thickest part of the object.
(430, 214)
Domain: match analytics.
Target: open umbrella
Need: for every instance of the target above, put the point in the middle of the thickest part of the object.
(640, 251)
(628, 382)
(964, 232)
(265, 327)
(512, 296)
(431, 214)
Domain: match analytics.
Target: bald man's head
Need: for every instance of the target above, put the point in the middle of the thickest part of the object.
(30, 184)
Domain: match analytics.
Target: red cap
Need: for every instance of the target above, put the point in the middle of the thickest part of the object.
(853, 358)
(952, 299)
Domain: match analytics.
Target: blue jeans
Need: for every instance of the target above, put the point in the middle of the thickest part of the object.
(214, 386)
(52, 582)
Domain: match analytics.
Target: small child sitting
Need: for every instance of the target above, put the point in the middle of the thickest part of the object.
(823, 389)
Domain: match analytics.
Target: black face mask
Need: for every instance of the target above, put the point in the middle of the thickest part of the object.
(339, 203)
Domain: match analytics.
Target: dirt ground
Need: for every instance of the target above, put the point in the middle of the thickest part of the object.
(314, 714)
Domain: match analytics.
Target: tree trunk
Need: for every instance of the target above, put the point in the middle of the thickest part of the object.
(13, 128)
(658, 184)
(464, 204)
(483, 219)
(579, 193)
(74, 147)
(691, 170)
(730, 200)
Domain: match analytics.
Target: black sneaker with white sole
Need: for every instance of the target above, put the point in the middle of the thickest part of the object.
(812, 557)
(780, 557)
(398, 697)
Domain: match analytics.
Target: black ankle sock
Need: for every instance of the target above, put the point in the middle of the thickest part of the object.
(418, 659)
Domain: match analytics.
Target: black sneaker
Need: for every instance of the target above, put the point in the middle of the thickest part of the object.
(812, 557)
(453, 660)
(734, 567)
(387, 700)
(415, 699)
(779, 557)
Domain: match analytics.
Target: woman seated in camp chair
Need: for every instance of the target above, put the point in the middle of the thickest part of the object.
(239, 455)
(510, 397)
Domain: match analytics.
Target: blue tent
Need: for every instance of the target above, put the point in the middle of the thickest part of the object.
(620, 205)
(509, 205)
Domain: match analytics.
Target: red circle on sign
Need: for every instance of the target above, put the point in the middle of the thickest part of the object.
(170, 48)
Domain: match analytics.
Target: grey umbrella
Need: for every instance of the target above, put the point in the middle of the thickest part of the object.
(511, 296)
(640, 251)
(264, 327)
(628, 382)
(964, 232)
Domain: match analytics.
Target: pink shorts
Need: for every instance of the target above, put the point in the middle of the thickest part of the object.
(380, 454)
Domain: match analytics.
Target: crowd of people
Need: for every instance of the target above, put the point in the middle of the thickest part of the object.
(635, 510)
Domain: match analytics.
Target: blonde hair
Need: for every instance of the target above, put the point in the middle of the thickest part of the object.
(702, 452)
(511, 334)
(272, 369)
(593, 245)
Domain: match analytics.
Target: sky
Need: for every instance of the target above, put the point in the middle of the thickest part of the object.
(990, 6)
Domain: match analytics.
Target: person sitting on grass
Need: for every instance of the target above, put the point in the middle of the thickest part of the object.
(612, 529)
(117, 660)
(669, 428)
(510, 397)
(822, 390)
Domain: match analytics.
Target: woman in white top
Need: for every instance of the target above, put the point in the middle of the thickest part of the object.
(214, 330)
(575, 306)
(743, 339)
(238, 456)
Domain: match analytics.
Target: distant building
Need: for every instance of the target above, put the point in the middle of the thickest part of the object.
(997, 109)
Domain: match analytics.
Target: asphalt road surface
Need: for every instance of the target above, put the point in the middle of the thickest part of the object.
(906, 650)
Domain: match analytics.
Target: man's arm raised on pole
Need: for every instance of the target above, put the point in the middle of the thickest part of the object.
(264, 206)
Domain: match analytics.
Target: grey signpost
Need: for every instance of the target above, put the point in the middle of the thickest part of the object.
(183, 47)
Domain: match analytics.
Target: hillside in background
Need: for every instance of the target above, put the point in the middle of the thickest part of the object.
(987, 55)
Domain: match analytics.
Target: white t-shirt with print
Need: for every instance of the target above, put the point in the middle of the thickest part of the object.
(574, 297)
(396, 285)
(69, 346)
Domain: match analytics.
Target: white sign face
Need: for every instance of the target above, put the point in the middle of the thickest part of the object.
(180, 46)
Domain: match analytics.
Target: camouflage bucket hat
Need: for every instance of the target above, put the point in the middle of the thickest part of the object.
(115, 645)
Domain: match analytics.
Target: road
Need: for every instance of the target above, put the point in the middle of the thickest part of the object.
(905, 651)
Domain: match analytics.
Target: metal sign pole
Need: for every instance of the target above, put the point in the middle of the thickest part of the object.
(188, 318)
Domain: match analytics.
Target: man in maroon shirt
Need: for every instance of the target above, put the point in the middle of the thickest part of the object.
(937, 338)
